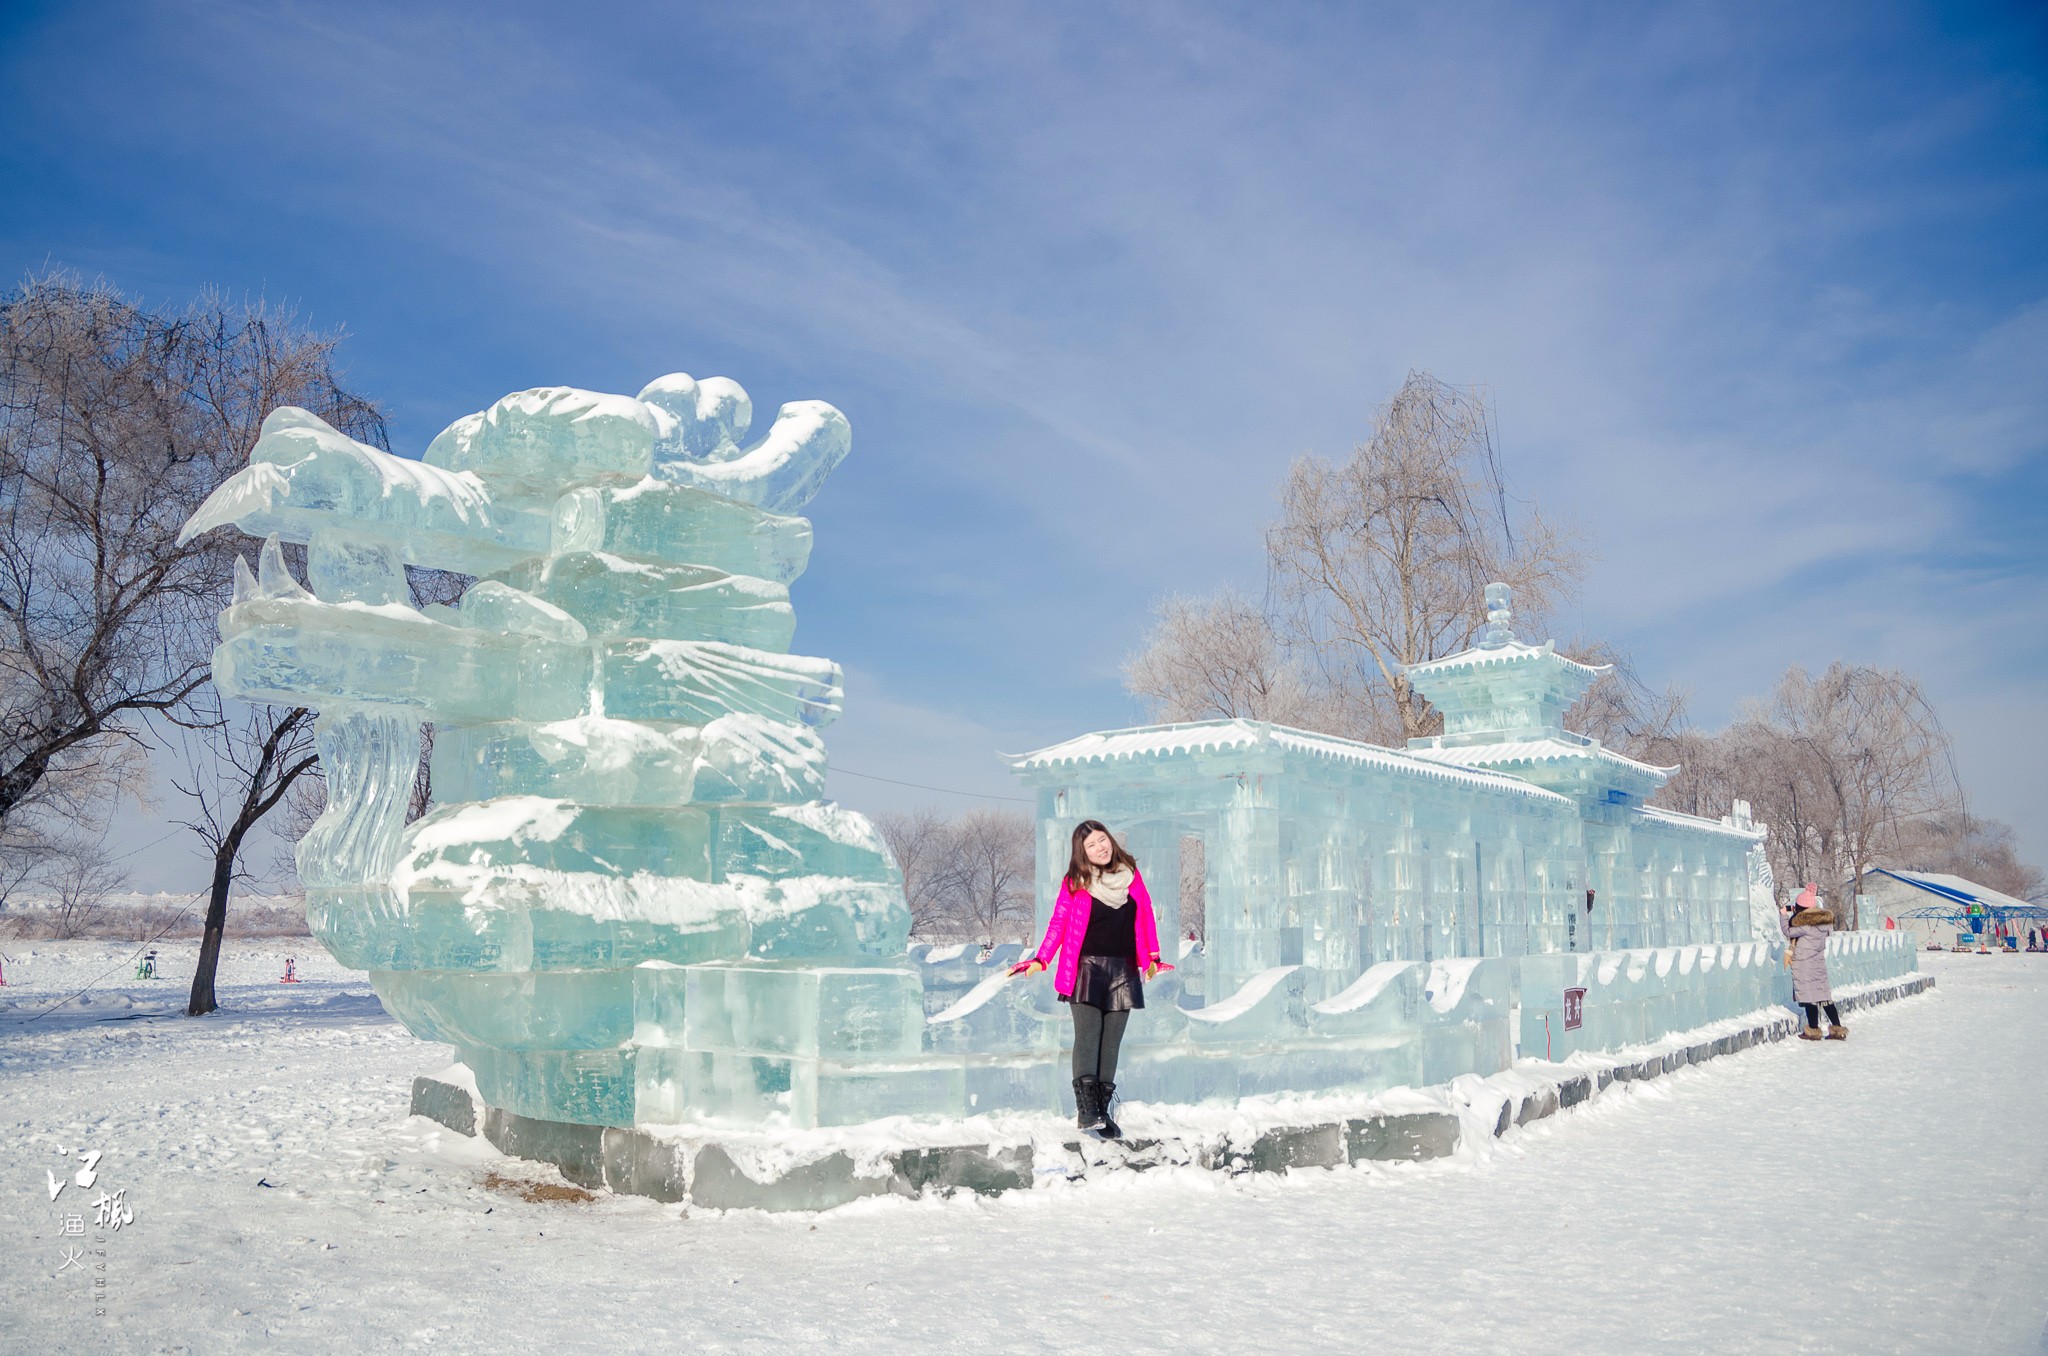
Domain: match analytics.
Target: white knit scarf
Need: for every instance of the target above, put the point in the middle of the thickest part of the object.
(1112, 887)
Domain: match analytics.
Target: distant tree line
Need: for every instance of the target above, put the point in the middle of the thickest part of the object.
(1379, 562)
(968, 877)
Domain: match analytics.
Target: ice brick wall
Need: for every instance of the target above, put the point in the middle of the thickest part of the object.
(1664, 880)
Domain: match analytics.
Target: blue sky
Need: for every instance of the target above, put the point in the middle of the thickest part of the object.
(1760, 293)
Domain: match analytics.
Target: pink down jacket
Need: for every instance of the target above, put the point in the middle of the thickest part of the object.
(1069, 927)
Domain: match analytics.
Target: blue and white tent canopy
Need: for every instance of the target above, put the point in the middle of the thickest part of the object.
(1959, 899)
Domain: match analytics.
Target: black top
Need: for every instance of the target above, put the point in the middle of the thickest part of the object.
(1111, 932)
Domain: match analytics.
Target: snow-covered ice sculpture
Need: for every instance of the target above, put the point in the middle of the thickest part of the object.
(629, 835)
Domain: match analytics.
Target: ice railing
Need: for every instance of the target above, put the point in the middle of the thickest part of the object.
(1399, 1022)
(1633, 997)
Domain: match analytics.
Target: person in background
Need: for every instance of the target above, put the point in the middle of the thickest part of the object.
(1806, 924)
(1106, 938)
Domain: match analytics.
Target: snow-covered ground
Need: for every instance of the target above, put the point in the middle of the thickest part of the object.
(1889, 1194)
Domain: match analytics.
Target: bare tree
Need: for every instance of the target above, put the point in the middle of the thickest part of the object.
(241, 765)
(1219, 657)
(921, 841)
(1382, 562)
(115, 423)
(27, 854)
(1848, 769)
(1957, 843)
(83, 879)
(1620, 709)
(990, 876)
(1194, 885)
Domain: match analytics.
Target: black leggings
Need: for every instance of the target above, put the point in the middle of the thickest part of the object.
(1813, 1014)
(1097, 1037)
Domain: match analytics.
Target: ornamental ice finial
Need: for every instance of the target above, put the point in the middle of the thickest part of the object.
(1500, 617)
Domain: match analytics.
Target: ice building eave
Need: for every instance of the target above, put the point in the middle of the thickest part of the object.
(1697, 824)
(1481, 658)
(1254, 740)
(1540, 751)
(1542, 760)
(1140, 741)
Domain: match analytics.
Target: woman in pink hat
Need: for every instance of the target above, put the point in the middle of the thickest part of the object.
(1806, 925)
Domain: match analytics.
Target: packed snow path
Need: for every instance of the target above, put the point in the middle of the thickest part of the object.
(1889, 1194)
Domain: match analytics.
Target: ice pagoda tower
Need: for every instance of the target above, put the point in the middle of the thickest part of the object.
(1503, 703)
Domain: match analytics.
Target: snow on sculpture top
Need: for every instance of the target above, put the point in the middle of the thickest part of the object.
(625, 764)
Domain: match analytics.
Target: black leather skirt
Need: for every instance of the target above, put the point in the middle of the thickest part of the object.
(1111, 983)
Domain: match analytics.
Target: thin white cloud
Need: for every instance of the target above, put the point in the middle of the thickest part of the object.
(1124, 265)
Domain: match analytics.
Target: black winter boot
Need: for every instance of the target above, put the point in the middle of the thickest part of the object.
(1109, 1129)
(1087, 1104)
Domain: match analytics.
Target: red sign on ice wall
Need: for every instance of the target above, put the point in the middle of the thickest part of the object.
(1574, 1008)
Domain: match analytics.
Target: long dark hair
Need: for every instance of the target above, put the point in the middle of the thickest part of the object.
(1080, 871)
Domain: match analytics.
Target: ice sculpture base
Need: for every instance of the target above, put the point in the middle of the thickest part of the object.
(779, 1047)
(820, 1170)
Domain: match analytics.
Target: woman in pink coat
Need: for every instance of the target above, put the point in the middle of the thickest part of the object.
(1107, 942)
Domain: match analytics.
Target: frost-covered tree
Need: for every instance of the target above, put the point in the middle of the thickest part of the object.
(1848, 768)
(1382, 561)
(116, 421)
(1621, 710)
(1377, 562)
(966, 878)
(1218, 658)
(991, 874)
(1982, 850)
(921, 842)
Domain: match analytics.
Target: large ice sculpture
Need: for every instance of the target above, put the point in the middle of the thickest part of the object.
(629, 893)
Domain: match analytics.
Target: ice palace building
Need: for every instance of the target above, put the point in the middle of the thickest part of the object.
(1507, 835)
